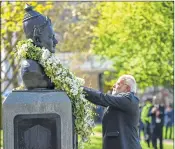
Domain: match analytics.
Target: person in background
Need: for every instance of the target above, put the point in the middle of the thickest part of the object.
(169, 113)
(157, 120)
(146, 119)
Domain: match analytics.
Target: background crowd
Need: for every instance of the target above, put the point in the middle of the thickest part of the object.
(156, 122)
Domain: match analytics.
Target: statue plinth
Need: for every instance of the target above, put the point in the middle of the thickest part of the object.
(40, 119)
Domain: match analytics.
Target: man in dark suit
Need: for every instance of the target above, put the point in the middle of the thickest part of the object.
(121, 118)
(169, 122)
(157, 115)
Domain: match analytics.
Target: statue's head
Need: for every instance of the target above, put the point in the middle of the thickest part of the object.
(39, 29)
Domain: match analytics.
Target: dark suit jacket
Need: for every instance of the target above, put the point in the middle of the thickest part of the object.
(120, 121)
(154, 124)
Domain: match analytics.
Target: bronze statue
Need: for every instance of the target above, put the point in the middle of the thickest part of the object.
(39, 29)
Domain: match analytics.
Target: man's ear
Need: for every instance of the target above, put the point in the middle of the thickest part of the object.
(36, 35)
(37, 40)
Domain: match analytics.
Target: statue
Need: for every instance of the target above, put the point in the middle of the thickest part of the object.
(38, 28)
(37, 62)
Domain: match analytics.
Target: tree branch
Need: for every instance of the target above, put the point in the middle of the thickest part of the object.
(9, 83)
(7, 57)
(9, 67)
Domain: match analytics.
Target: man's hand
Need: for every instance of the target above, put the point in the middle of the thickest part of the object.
(157, 113)
(153, 110)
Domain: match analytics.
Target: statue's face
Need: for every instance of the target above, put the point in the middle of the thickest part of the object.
(47, 39)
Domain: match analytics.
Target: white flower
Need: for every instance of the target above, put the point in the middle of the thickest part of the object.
(90, 122)
(24, 47)
(80, 81)
(75, 86)
(42, 62)
(49, 61)
(58, 78)
(75, 92)
(60, 75)
(81, 89)
(63, 72)
(54, 65)
(82, 96)
(19, 52)
(55, 59)
(30, 40)
(58, 71)
(68, 80)
(52, 59)
(22, 53)
(45, 54)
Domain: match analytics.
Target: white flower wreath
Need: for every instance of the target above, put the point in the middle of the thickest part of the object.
(64, 80)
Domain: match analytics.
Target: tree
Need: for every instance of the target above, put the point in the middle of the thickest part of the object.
(138, 37)
(73, 25)
(12, 14)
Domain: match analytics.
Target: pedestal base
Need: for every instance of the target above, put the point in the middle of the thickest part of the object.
(37, 131)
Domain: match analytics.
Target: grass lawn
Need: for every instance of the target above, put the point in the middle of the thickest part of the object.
(96, 142)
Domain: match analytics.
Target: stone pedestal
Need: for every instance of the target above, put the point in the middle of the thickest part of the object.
(38, 119)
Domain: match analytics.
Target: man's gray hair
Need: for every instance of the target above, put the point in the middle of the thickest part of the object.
(129, 80)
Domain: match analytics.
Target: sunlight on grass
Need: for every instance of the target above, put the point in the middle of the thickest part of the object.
(96, 141)
(98, 128)
(165, 146)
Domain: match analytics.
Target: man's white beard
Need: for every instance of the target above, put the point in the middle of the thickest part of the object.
(114, 92)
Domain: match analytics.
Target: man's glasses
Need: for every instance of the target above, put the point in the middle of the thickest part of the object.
(114, 86)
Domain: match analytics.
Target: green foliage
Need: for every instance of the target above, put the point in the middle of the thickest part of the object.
(12, 19)
(73, 22)
(138, 37)
(96, 141)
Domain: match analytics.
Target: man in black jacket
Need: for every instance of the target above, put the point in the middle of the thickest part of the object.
(157, 122)
(121, 118)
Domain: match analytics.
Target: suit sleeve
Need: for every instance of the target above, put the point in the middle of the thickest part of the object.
(121, 101)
